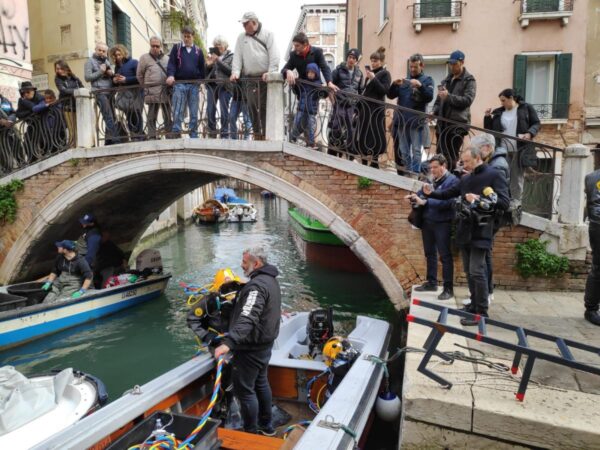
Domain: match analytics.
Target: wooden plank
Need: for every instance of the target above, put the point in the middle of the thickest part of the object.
(293, 439)
(283, 382)
(239, 440)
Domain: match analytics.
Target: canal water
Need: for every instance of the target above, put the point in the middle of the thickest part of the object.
(136, 345)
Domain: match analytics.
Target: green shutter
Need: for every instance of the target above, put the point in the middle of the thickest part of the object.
(434, 8)
(562, 86)
(359, 32)
(124, 30)
(520, 75)
(108, 22)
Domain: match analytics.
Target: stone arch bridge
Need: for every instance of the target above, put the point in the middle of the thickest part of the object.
(128, 185)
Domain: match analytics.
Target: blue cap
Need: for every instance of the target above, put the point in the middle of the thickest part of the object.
(66, 244)
(456, 56)
(87, 219)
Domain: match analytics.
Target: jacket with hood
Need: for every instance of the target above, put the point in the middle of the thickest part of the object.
(93, 74)
(77, 266)
(310, 92)
(499, 162)
(346, 81)
(412, 98)
(254, 322)
(314, 55)
(527, 122)
(461, 94)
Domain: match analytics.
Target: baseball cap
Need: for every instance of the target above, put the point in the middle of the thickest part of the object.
(249, 16)
(456, 56)
(87, 219)
(66, 244)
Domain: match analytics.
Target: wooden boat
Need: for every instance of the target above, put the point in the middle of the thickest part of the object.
(187, 388)
(27, 323)
(211, 211)
(40, 406)
(241, 212)
(318, 245)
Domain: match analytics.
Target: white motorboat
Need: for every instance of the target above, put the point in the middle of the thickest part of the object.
(241, 212)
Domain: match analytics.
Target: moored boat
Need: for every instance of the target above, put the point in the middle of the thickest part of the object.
(241, 212)
(317, 244)
(186, 389)
(211, 211)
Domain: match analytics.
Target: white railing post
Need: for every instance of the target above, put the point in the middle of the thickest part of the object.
(86, 119)
(274, 129)
(571, 203)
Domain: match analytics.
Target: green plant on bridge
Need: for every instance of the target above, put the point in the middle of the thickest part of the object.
(364, 182)
(533, 259)
(178, 20)
(8, 201)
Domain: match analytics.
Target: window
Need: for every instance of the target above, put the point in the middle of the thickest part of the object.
(118, 26)
(328, 25)
(544, 81)
(383, 12)
(330, 61)
(436, 68)
(434, 8)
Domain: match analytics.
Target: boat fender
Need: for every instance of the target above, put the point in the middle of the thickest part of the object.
(387, 406)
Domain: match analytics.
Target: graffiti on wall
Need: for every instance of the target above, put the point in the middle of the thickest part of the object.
(14, 31)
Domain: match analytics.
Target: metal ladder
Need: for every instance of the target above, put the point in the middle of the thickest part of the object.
(522, 348)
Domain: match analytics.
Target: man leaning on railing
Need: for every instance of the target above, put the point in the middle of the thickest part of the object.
(186, 62)
(98, 72)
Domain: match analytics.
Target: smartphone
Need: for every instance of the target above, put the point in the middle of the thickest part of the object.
(441, 87)
(214, 51)
(368, 68)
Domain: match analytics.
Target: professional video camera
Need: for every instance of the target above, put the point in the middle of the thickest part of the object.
(481, 211)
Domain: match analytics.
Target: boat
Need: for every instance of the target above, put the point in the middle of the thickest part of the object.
(267, 194)
(318, 245)
(183, 393)
(241, 212)
(211, 211)
(35, 408)
(228, 195)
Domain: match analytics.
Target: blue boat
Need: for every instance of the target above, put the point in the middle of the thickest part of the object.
(27, 323)
(228, 195)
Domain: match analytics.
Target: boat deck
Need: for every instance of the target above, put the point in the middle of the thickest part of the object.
(239, 440)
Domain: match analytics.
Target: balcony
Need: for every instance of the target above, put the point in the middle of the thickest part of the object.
(546, 10)
(552, 112)
(435, 12)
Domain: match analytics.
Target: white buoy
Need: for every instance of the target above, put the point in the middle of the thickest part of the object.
(387, 406)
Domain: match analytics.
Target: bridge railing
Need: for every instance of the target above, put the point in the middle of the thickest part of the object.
(195, 108)
(37, 136)
(377, 134)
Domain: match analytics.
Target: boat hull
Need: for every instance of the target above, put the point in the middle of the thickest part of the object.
(26, 324)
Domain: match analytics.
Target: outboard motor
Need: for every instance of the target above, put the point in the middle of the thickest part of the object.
(149, 261)
(319, 329)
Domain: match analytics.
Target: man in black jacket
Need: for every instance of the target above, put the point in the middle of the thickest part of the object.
(592, 286)
(475, 227)
(254, 326)
(456, 93)
(302, 55)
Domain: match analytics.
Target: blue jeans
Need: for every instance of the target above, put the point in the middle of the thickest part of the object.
(304, 121)
(186, 95)
(222, 96)
(104, 102)
(234, 112)
(411, 140)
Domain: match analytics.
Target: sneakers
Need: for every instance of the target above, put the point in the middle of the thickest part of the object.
(447, 294)
(426, 287)
(592, 317)
(266, 431)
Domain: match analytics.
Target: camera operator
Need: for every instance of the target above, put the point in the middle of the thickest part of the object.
(483, 193)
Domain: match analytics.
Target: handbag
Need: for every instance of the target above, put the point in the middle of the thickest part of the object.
(125, 100)
(415, 217)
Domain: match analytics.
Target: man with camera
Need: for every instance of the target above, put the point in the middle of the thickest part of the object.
(483, 194)
(218, 92)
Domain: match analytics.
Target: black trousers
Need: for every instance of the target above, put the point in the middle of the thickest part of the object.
(436, 240)
(252, 388)
(592, 285)
(449, 142)
(477, 277)
(255, 93)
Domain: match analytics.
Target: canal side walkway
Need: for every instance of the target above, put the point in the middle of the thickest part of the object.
(561, 407)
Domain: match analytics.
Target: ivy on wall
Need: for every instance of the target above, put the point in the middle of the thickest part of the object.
(8, 201)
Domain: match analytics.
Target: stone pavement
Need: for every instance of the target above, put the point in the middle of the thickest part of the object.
(480, 410)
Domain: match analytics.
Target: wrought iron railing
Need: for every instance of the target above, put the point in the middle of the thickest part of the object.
(37, 136)
(380, 134)
(552, 110)
(198, 108)
(543, 6)
(437, 9)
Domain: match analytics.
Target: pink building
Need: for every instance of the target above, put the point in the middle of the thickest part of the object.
(535, 46)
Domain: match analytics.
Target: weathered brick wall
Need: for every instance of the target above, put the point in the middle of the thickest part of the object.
(378, 213)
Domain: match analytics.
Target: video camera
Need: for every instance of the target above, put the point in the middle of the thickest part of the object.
(479, 212)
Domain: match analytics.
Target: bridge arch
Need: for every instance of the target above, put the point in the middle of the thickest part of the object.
(178, 172)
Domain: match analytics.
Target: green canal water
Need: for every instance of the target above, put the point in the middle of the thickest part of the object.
(138, 344)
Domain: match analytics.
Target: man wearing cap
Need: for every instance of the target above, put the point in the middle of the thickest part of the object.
(89, 242)
(255, 56)
(456, 93)
(186, 62)
(348, 78)
(71, 275)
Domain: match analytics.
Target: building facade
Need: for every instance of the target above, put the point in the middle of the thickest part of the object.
(69, 29)
(536, 46)
(591, 135)
(15, 53)
(325, 26)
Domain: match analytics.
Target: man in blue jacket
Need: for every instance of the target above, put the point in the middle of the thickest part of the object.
(437, 228)
(483, 191)
(186, 62)
(408, 128)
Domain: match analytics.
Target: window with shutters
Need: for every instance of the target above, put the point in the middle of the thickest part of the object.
(437, 68)
(383, 11)
(117, 25)
(359, 35)
(436, 12)
(544, 81)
